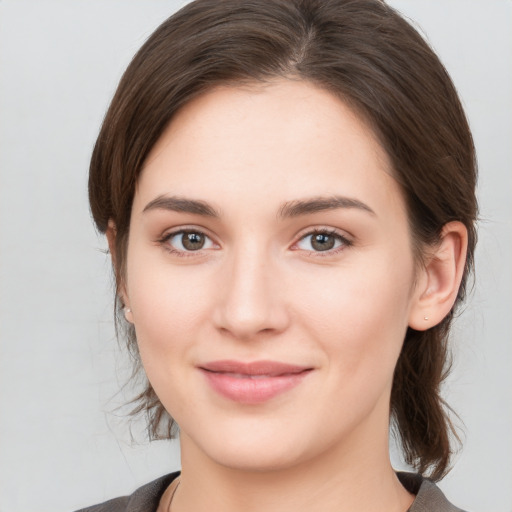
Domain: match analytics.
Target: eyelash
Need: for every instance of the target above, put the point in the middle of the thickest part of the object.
(344, 242)
(164, 242)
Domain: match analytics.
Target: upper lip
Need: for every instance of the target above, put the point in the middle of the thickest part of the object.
(270, 368)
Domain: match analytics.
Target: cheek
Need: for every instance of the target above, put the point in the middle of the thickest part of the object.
(169, 314)
(168, 304)
(360, 316)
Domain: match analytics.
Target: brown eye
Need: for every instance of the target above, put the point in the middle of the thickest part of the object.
(187, 241)
(322, 242)
(193, 241)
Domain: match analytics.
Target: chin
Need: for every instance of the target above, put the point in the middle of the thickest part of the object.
(258, 459)
(248, 445)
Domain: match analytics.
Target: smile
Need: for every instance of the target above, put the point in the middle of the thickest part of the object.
(253, 383)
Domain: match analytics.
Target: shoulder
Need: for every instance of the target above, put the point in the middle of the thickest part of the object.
(144, 499)
(429, 498)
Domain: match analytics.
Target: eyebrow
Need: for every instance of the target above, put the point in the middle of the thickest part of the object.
(289, 209)
(320, 204)
(182, 204)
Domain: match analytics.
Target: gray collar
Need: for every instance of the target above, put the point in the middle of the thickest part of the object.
(429, 497)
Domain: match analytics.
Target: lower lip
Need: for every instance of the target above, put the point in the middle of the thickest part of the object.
(249, 390)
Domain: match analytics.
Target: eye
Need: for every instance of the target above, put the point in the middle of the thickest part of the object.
(187, 241)
(322, 241)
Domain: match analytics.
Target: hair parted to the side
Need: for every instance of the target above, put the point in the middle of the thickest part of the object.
(370, 57)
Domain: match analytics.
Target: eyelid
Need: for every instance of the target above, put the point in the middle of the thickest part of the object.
(172, 232)
(346, 239)
(166, 233)
(324, 228)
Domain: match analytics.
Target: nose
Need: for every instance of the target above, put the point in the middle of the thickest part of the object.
(251, 298)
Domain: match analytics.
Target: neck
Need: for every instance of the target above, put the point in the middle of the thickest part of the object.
(337, 481)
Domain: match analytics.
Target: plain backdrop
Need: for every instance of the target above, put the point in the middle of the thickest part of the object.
(63, 443)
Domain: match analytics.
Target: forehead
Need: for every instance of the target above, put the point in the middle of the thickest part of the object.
(279, 140)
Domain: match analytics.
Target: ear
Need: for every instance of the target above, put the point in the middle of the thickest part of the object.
(439, 280)
(111, 234)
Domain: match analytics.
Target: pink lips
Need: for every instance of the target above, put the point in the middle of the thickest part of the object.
(253, 383)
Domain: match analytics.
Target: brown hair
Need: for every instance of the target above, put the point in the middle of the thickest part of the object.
(367, 54)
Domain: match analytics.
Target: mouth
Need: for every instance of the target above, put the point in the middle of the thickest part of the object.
(254, 382)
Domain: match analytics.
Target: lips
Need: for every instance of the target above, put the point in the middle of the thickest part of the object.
(254, 382)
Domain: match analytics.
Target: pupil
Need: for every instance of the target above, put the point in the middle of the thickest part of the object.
(192, 241)
(322, 242)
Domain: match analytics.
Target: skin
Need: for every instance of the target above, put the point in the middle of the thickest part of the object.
(259, 290)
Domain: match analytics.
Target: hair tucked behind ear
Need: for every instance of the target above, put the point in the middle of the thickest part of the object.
(366, 54)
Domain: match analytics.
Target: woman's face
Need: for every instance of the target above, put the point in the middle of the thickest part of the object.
(270, 277)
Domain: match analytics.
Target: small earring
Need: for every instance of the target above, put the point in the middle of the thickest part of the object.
(126, 311)
(425, 318)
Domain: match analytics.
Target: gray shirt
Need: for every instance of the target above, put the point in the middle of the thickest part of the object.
(429, 497)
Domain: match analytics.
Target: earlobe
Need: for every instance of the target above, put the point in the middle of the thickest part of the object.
(128, 314)
(121, 289)
(438, 285)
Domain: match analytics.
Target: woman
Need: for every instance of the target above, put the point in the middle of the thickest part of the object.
(288, 192)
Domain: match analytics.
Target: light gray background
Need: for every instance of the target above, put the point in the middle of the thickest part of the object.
(59, 363)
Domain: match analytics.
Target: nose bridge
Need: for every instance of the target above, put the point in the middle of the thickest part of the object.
(250, 301)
